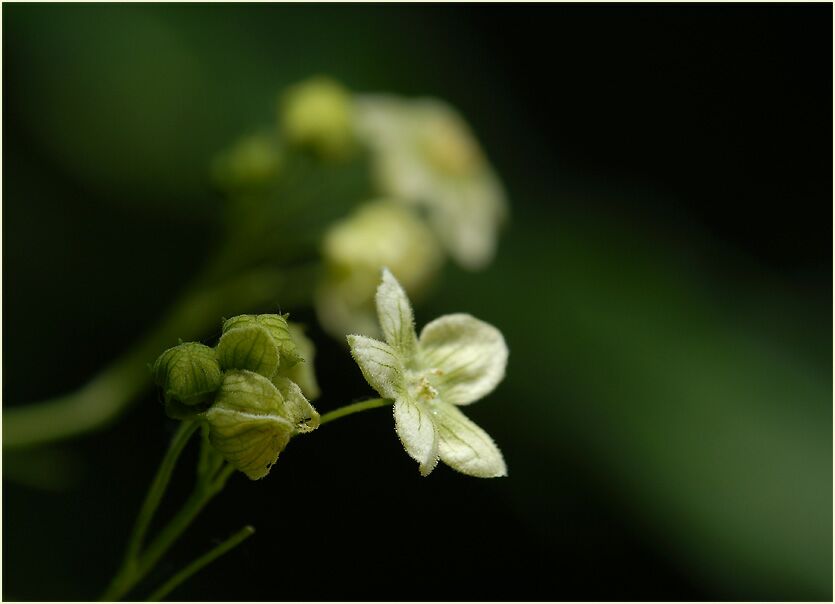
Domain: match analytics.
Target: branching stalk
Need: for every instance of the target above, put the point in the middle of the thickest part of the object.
(200, 563)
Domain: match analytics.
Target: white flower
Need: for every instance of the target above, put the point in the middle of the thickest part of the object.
(425, 155)
(456, 361)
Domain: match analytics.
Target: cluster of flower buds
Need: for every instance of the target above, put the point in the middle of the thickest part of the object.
(433, 192)
(252, 389)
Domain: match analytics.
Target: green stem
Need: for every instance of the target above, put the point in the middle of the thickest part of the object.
(109, 393)
(206, 490)
(210, 483)
(124, 578)
(202, 495)
(158, 487)
(131, 574)
(201, 562)
(354, 408)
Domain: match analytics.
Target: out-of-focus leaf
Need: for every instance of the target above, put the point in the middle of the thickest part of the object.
(714, 433)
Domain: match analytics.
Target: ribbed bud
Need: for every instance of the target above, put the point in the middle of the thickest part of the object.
(251, 420)
(276, 326)
(249, 347)
(189, 375)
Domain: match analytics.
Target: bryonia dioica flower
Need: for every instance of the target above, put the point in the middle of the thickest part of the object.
(425, 155)
(380, 233)
(456, 361)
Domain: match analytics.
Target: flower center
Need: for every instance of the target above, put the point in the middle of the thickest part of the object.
(422, 384)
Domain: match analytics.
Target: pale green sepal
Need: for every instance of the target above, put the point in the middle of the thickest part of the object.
(468, 357)
(414, 427)
(395, 313)
(248, 424)
(277, 327)
(465, 447)
(188, 374)
(302, 373)
(380, 364)
(297, 408)
(251, 348)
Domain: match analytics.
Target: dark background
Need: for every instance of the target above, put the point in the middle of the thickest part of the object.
(664, 285)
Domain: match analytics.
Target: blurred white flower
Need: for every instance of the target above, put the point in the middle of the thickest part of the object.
(377, 234)
(424, 154)
(456, 361)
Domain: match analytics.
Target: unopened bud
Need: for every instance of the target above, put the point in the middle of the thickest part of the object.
(189, 375)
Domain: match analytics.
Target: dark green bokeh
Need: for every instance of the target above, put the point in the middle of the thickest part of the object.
(667, 413)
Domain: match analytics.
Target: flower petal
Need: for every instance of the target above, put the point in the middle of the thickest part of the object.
(425, 154)
(395, 313)
(469, 355)
(380, 364)
(465, 447)
(413, 423)
(467, 217)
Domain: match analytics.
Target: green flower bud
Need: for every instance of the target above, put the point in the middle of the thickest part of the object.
(318, 113)
(252, 421)
(250, 164)
(189, 375)
(249, 347)
(279, 331)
